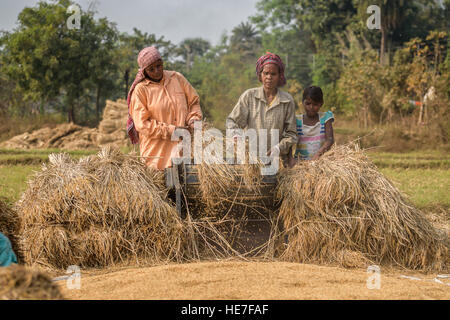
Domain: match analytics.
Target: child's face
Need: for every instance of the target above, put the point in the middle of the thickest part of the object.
(311, 107)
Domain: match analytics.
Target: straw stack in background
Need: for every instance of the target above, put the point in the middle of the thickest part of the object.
(112, 128)
(342, 208)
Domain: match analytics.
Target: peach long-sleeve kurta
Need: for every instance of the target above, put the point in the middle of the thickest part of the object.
(157, 109)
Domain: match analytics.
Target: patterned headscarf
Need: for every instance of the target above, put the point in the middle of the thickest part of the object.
(267, 59)
(145, 58)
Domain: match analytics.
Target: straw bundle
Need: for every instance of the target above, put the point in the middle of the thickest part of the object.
(224, 186)
(237, 201)
(112, 128)
(342, 203)
(99, 211)
(20, 283)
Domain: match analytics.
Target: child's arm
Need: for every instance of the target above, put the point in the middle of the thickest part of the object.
(329, 140)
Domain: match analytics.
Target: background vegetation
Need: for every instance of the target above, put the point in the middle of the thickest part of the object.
(50, 74)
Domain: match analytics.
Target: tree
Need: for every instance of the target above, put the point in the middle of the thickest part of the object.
(190, 48)
(307, 29)
(102, 69)
(47, 59)
(33, 53)
(401, 20)
(245, 39)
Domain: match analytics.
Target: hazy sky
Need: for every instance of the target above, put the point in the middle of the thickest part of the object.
(175, 19)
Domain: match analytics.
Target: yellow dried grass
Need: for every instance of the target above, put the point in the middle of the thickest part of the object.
(342, 202)
(99, 211)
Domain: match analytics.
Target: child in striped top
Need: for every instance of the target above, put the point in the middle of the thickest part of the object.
(314, 128)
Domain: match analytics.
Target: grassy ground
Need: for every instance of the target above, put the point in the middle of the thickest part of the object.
(425, 187)
(33, 157)
(423, 176)
(411, 160)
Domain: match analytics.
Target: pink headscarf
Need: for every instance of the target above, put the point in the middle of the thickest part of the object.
(271, 58)
(146, 57)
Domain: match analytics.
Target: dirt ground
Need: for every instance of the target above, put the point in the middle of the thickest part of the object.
(236, 280)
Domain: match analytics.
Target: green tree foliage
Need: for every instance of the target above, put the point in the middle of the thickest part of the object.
(46, 59)
(245, 39)
(189, 49)
(220, 80)
(369, 74)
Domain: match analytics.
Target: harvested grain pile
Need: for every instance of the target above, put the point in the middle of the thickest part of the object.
(66, 136)
(342, 203)
(112, 129)
(20, 283)
(9, 225)
(99, 211)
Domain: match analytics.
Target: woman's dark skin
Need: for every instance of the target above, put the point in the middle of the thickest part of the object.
(155, 73)
(270, 77)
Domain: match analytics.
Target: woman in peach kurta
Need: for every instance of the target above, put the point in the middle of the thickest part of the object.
(159, 102)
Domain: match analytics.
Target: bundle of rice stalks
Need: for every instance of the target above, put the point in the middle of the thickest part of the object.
(237, 200)
(223, 186)
(20, 283)
(342, 203)
(98, 211)
(9, 226)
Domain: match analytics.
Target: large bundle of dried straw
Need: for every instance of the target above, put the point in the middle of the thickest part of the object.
(342, 204)
(99, 211)
(20, 283)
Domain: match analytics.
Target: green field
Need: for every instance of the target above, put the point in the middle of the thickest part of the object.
(423, 176)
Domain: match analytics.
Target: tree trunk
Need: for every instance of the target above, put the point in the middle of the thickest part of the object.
(384, 36)
(71, 113)
(41, 108)
(420, 120)
(127, 78)
(188, 62)
(97, 103)
(388, 56)
(366, 117)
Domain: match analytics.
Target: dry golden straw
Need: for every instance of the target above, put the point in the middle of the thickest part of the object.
(20, 283)
(234, 198)
(99, 211)
(342, 203)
